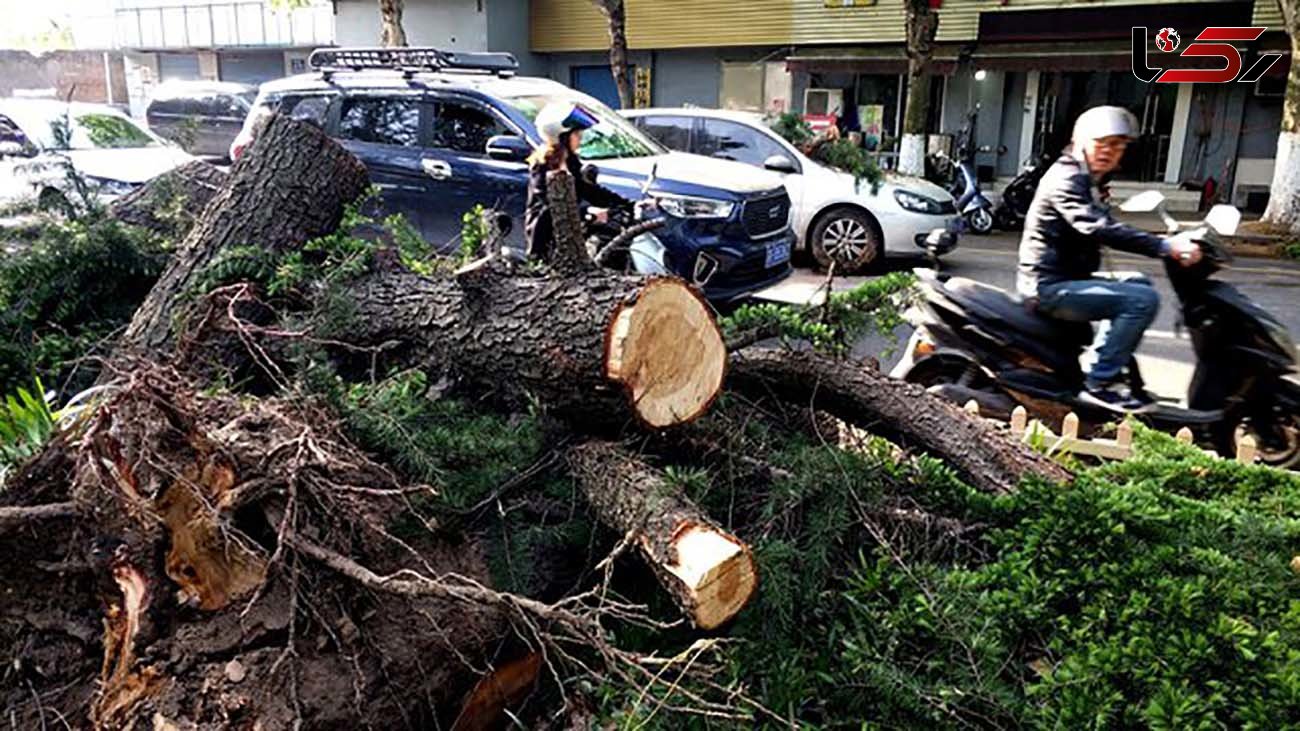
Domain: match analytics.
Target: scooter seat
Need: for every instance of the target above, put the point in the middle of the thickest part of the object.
(994, 304)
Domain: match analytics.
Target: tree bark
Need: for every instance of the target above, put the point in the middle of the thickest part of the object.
(594, 347)
(709, 573)
(985, 457)
(391, 32)
(289, 187)
(616, 14)
(171, 203)
(568, 250)
(1284, 194)
(922, 24)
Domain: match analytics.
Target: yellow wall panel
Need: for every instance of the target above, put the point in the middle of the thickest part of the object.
(567, 25)
(704, 23)
(576, 25)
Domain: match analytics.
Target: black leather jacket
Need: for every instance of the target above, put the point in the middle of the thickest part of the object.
(538, 233)
(1066, 227)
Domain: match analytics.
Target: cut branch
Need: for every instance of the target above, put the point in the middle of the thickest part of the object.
(904, 413)
(709, 572)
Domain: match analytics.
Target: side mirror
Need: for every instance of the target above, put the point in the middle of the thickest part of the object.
(1144, 202)
(779, 164)
(1147, 202)
(1224, 219)
(590, 173)
(508, 148)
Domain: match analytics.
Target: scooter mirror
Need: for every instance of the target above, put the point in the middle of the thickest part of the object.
(1224, 219)
(1144, 202)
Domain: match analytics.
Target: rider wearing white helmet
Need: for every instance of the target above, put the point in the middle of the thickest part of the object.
(560, 125)
(1060, 253)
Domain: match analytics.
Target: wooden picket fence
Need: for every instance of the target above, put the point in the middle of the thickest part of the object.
(1119, 448)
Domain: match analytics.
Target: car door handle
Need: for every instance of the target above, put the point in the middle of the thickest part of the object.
(436, 169)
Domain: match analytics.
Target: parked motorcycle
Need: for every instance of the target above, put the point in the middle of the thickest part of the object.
(974, 207)
(1019, 193)
(973, 341)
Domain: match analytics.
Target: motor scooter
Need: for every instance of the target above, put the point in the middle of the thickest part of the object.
(975, 209)
(1014, 205)
(977, 342)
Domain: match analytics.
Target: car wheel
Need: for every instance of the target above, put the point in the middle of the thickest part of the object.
(847, 238)
(980, 220)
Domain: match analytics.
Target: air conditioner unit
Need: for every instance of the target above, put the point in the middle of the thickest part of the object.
(823, 101)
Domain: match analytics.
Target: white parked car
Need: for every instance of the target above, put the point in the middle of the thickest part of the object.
(836, 219)
(40, 140)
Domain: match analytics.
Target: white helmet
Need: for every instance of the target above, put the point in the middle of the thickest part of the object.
(1100, 122)
(557, 118)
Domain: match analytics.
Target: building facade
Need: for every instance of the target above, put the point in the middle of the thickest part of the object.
(1030, 65)
(247, 41)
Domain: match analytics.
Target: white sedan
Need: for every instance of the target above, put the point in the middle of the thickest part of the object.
(836, 219)
(41, 141)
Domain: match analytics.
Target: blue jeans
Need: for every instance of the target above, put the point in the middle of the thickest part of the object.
(1128, 304)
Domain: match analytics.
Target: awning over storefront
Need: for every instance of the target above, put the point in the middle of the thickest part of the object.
(1109, 55)
(867, 60)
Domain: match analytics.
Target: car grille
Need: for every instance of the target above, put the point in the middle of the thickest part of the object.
(767, 215)
(947, 207)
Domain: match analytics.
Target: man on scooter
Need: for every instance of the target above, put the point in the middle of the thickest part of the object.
(1060, 253)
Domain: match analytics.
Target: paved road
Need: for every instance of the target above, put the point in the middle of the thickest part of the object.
(1167, 360)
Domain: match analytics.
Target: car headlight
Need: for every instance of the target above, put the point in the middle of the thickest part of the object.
(917, 203)
(687, 207)
(108, 186)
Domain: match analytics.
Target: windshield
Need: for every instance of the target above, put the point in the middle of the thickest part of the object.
(90, 131)
(612, 137)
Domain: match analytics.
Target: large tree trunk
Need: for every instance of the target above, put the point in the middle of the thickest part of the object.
(708, 572)
(1284, 195)
(987, 458)
(616, 14)
(390, 18)
(594, 347)
(922, 24)
(289, 187)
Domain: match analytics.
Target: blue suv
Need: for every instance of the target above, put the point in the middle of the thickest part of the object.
(441, 132)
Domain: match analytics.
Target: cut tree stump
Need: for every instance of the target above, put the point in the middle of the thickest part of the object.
(902, 412)
(709, 572)
(595, 348)
(289, 187)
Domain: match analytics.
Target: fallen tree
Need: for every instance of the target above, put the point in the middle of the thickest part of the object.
(251, 565)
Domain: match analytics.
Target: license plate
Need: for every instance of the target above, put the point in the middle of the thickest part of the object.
(778, 253)
(956, 225)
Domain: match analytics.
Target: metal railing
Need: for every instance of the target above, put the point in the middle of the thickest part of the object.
(240, 23)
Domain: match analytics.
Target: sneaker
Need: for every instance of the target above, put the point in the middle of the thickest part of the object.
(1116, 396)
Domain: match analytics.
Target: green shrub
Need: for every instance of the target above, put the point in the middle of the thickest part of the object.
(64, 295)
(26, 423)
(1154, 593)
(874, 306)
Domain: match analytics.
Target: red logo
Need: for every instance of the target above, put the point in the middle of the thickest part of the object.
(1211, 42)
(1167, 40)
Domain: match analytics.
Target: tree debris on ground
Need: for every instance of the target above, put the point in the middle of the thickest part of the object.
(328, 482)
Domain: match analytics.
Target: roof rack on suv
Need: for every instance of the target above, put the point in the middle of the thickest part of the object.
(410, 60)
